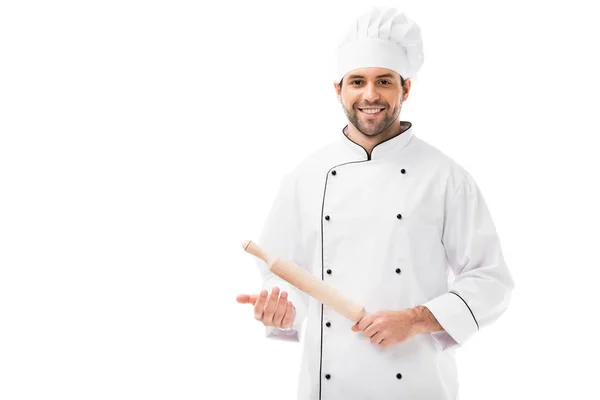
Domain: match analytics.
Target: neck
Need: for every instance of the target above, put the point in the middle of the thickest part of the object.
(369, 142)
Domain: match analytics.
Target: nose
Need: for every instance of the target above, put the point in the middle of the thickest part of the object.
(371, 95)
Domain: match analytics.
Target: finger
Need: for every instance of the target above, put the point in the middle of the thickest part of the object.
(370, 331)
(377, 338)
(365, 322)
(271, 306)
(280, 310)
(290, 315)
(247, 298)
(260, 305)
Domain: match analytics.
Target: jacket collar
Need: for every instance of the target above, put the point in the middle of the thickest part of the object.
(385, 149)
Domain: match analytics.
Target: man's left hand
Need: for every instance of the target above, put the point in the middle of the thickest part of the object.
(387, 328)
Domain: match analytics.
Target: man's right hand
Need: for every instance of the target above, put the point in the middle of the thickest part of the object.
(271, 310)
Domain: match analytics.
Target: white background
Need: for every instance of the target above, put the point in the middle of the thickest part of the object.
(142, 142)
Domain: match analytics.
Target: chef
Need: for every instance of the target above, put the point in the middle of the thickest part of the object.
(393, 224)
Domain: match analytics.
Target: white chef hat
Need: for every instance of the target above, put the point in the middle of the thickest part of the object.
(382, 38)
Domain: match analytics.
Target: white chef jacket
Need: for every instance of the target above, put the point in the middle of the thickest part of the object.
(387, 231)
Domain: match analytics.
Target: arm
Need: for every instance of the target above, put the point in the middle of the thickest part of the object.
(483, 284)
(281, 237)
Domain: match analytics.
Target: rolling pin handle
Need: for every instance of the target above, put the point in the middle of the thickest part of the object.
(252, 248)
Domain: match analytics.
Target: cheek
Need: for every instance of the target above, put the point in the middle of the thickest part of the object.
(350, 103)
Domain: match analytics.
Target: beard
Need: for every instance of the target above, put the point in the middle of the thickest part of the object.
(372, 127)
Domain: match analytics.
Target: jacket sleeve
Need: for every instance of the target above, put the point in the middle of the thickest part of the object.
(483, 285)
(280, 237)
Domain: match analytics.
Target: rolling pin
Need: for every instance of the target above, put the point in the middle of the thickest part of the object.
(308, 283)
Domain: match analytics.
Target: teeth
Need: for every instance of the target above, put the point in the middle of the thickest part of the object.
(371, 111)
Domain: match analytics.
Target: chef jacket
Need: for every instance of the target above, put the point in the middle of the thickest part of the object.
(402, 227)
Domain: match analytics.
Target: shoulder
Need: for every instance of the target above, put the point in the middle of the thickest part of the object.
(449, 171)
(319, 159)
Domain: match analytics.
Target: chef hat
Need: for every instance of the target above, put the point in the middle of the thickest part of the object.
(382, 38)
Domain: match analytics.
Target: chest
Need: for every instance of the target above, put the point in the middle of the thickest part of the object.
(365, 198)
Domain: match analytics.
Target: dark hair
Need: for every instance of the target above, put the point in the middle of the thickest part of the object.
(401, 81)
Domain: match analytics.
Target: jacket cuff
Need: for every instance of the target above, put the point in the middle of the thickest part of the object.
(455, 316)
(292, 334)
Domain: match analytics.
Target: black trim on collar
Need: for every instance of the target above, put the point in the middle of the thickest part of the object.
(369, 155)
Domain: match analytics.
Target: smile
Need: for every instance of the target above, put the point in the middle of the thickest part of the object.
(371, 112)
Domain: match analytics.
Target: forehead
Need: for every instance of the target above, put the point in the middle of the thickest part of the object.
(371, 73)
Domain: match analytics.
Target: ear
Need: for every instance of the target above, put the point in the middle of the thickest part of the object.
(337, 88)
(406, 88)
(338, 91)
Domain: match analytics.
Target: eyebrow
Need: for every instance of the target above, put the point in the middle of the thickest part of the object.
(378, 76)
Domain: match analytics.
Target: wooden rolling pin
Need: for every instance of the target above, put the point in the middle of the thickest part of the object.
(308, 283)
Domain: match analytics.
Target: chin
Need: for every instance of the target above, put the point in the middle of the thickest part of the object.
(370, 132)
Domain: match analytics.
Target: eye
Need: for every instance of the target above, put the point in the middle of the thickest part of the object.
(383, 80)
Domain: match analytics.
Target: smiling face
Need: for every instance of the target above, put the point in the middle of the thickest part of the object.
(372, 99)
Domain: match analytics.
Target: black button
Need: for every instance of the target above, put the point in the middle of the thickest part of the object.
(328, 324)
(327, 376)
(327, 217)
(333, 172)
(403, 170)
(397, 270)
(399, 216)
(329, 271)
(399, 376)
